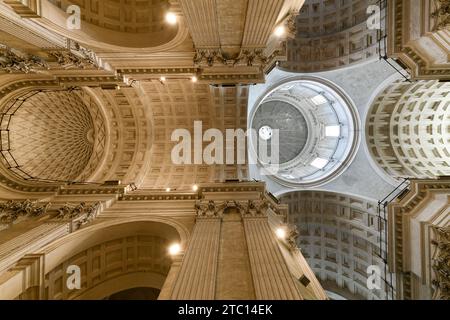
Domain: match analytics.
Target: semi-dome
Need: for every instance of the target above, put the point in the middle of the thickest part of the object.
(53, 136)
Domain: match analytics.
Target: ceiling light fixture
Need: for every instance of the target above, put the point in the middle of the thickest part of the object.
(281, 233)
(171, 18)
(174, 249)
(280, 31)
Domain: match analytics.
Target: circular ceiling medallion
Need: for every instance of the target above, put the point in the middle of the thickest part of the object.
(310, 129)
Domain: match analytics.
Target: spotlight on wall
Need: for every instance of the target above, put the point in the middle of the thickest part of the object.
(174, 249)
(280, 31)
(171, 18)
(194, 79)
(195, 188)
(281, 233)
(163, 79)
(168, 189)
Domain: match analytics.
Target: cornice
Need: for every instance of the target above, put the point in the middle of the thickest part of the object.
(400, 47)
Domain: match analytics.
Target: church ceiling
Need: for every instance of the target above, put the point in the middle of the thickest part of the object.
(52, 136)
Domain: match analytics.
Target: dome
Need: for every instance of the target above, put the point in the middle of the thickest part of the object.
(317, 130)
(53, 136)
(282, 116)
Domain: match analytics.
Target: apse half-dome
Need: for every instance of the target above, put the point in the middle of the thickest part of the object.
(52, 136)
(317, 127)
(124, 23)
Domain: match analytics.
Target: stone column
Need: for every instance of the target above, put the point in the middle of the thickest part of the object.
(197, 276)
(271, 275)
(234, 255)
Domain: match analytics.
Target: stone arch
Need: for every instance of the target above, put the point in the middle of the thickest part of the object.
(123, 283)
(408, 130)
(133, 251)
(127, 132)
(340, 239)
(331, 35)
(105, 25)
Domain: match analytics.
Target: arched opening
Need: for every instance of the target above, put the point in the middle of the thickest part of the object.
(341, 237)
(123, 23)
(103, 260)
(135, 294)
(332, 34)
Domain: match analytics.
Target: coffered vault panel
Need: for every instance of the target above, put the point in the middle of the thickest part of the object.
(143, 255)
(55, 135)
(408, 129)
(136, 138)
(332, 34)
(135, 16)
(339, 236)
(125, 23)
(177, 104)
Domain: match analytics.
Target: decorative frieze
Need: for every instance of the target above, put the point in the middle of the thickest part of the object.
(441, 265)
(292, 236)
(14, 61)
(81, 213)
(159, 197)
(11, 211)
(209, 58)
(215, 209)
(208, 210)
(69, 59)
(442, 14)
(247, 57)
(254, 208)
